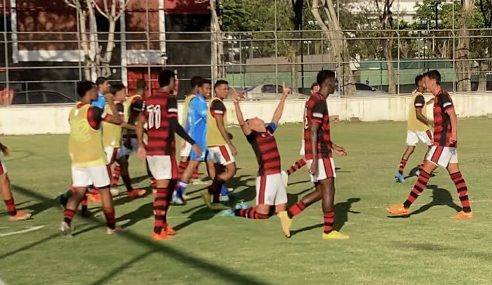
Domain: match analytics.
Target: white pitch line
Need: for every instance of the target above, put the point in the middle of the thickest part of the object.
(30, 229)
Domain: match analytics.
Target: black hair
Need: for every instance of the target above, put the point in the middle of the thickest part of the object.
(323, 75)
(100, 80)
(314, 85)
(220, 82)
(83, 87)
(203, 82)
(434, 74)
(116, 87)
(195, 80)
(141, 84)
(418, 78)
(165, 77)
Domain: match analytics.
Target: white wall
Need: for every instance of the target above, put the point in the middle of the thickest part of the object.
(26, 120)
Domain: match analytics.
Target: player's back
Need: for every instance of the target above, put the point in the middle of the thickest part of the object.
(160, 137)
(316, 111)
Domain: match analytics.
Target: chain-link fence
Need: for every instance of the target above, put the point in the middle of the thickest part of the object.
(42, 49)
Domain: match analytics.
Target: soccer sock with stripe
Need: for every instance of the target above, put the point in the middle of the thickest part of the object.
(328, 220)
(296, 166)
(68, 216)
(180, 190)
(419, 187)
(10, 204)
(161, 206)
(116, 173)
(296, 209)
(183, 164)
(110, 217)
(462, 189)
(403, 163)
(251, 213)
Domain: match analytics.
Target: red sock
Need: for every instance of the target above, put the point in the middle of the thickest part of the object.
(296, 209)
(403, 163)
(68, 216)
(11, 207)
(161, 206)
(83, 203)
(296, 166)
(462, 189)
(116, 174)
(182, 166)
(328, 220)
(419, 187)
(250, 213)
(196, 175)
(110, 217)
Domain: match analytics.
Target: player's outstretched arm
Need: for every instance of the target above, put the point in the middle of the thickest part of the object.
(280, 108)
(239, 114)
(178, 129)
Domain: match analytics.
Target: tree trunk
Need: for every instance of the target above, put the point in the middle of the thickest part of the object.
(293, 67)
(338, 43)
(388, 49)
(484, 67)
(463, 66)
(217, 44)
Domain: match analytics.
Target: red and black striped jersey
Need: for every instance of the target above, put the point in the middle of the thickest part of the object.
(266, 150)
(158, 109)
(442, 122)
(316, 111)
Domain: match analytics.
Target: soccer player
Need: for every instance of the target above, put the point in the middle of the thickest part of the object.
(102, 84)
(302, 161)
(87, 154)
(442, 153)
(271, 196)
(160, 120)
(197, 124)
(220, 147)
(112, 135)
(318, 150)
(186, 147)
(8, 198)
(417, 126)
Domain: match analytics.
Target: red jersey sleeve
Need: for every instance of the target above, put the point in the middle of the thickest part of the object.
(95, 116)
(217, 108)
(318, 111)
(172, 107)
(419, 102)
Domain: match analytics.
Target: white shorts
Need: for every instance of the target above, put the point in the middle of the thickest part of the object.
(163, 167)
(124, 150)
(186, 150)
(413, 137)
(111, 153)
(326, 169)
(302, 152)
(221, 154)
(442, 155)
(86, 176)
(3, 169)
(270, 190)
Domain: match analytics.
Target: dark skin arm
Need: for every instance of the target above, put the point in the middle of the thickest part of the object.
(314, 147)
(421, 117)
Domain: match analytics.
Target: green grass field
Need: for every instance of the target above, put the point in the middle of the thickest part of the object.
(427, 248)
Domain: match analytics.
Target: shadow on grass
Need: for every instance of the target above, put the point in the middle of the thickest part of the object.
(43, 203)
(221, 272)
(440, 197)
(342, 209)
(413, 172)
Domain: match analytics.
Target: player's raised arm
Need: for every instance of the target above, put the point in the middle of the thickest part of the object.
(280, 107)
(239, 114)
(176, 127)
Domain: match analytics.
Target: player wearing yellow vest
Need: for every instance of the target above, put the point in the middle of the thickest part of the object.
(132, 107)
(220, 147)
(417, 126)
(87, 154)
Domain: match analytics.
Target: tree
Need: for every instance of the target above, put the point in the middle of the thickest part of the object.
(462, 54)
(97, 59)
(386, 21)
(484, 43)
(333, 32)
